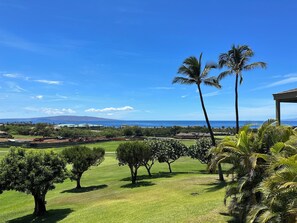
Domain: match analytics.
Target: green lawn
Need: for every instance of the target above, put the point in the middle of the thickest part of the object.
(187, 195)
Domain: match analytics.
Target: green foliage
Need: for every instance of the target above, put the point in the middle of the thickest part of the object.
(200, 150)
(279, 188)
(264, 178)
(236, 61)
(168, 151)
(32, 173)
(82, 158)
(134, 154)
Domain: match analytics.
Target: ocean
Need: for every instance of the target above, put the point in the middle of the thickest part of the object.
(151, 124)
(216, 124)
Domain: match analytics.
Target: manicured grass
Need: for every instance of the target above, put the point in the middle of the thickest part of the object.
(187, 195)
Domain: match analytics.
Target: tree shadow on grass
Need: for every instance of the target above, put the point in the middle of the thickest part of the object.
(155, 176)
(215, 186)
(138, 184)
(202, 171)
(85, 189)
(51, 216)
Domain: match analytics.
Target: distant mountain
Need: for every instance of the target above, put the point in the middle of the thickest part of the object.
(57, 119)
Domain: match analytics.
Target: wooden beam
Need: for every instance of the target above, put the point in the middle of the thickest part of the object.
(277, 112)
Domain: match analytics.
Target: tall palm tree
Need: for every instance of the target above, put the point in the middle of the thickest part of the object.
(194, 74)
(236, 60)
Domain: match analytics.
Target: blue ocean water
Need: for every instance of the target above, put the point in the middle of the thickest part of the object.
(119, 123)
(219, 124)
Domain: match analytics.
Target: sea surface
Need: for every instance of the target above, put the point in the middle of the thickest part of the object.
(119, 123)
(219, 124)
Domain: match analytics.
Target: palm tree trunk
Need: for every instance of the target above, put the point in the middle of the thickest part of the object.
(221, 176)
(206, 117)
(236, 103)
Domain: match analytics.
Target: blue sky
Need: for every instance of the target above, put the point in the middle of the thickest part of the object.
(117, 59)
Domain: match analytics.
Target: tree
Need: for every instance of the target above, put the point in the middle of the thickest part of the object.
(169, 150)
(200, 150)
(236, 60)
(32, 173)
(191, 68)
(248, 159)
(279, 188)
(154, 146)
(134, 154)
(82, 158)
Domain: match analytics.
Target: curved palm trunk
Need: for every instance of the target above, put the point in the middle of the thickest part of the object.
(206, 117)
(221, 176)
(236, 103)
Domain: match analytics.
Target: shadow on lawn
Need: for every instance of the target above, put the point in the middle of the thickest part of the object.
(215, 186)
(51, 216)
(85, 189)
(138, 184)
(155, 176)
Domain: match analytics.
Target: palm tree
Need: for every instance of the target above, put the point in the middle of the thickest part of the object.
(194, 74)
(236, 60)
(279, 188)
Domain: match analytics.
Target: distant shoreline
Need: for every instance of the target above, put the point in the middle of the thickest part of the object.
(140, 123)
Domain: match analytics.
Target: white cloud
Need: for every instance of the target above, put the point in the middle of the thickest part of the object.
(15, 87)
(49, 82)
(184, 96)
(10, 75)
(110, 109)
(56, 111)
(162, 88)
(39, 97)
(287, 79)
(211, 94)
(51, 111)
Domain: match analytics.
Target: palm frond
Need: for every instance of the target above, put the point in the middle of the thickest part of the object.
(212, 81)
(207, 68)
(255, 65)
(224, 74)
(183, 80)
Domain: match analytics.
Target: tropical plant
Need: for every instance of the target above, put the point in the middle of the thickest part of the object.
(194, 74)
(248, 158)
(81, 158)
(279, 188)
(236, 60)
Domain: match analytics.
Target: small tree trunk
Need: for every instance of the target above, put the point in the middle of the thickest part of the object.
(78, 186)
(236, 103)
(220, 171)
(39, 205)
(169, 166)
(133, 174)
(148, 169)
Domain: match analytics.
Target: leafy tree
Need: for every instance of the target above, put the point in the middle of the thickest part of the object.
(236, 60)
(128, 131)
(200, 150)
(32, 173)
(134, 154)
(194, 73)
(169, 151)
(154, 147)
(82, 158)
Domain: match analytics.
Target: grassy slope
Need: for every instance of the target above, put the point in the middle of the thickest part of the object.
(188, 195)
